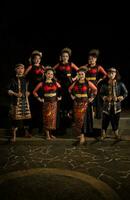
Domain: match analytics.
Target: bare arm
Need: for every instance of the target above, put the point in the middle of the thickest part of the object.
(93, 91)
(93, 87)
(74, 66)
(58, 85)
(27, 70)
(71, 91)
(35, 91)
(71, 87)
(102, 71)
(55, 67)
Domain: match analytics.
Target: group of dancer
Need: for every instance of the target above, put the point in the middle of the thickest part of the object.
(44, 97)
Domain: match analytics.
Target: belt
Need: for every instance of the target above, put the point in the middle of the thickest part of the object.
(81, 95)
(50, 94)
(91, 78)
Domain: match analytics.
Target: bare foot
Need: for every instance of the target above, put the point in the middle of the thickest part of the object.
(103, 136)
(53, 137)
(82, 140)
(28, 135)
(48, 138)
(13, 140)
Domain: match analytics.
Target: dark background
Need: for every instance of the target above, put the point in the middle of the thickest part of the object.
(49, 28)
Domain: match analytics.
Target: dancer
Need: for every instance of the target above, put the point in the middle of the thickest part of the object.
(113, 92)
(19, 107)
(51, 94)
(79, 93)
(35, 74)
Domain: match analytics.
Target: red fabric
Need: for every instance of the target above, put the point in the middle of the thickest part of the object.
(84, 88)
(48, 88)
(93, 71)
(38, 71)
(65, 67)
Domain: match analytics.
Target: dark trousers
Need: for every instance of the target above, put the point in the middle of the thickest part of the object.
(111, 118)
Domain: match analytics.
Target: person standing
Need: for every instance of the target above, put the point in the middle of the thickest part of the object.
(96, 74)
(51, 94)
(35, 74)
(113, 92)
(65, 72)
(79, 93)
(19, 112)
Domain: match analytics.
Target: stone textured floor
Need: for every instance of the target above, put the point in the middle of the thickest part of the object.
(108, 161)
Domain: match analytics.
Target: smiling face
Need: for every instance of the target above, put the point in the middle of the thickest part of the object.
(49, 75)
(81, 75)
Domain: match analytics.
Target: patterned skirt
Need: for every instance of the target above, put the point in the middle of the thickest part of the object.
(49, 115)
(21, 110)
(79, 113)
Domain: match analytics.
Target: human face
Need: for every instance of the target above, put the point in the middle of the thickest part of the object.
(36, 59)
(20, 70)
(49, 74)
(111, 75)
(65, 57)
(81, 75)
(92, 60)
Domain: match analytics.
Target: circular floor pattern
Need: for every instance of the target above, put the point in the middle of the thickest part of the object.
(53, 184)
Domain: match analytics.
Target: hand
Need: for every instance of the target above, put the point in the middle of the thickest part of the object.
(75, 78)
(59, 98)
(109, 99)
(72, 96)
(27, 93)
(105, 98)
(40, 99)
(99, 81)
(18, 94)
(120, 98)
(10, 92)
(90, 99)
(114, 98)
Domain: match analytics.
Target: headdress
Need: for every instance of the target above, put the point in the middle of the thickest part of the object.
(112, 69)
(36, 52)
(47, 68)
(94, 53)
(18, 65)
(66, 50)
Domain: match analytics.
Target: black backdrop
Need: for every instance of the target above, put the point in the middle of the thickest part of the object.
(25, 27)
